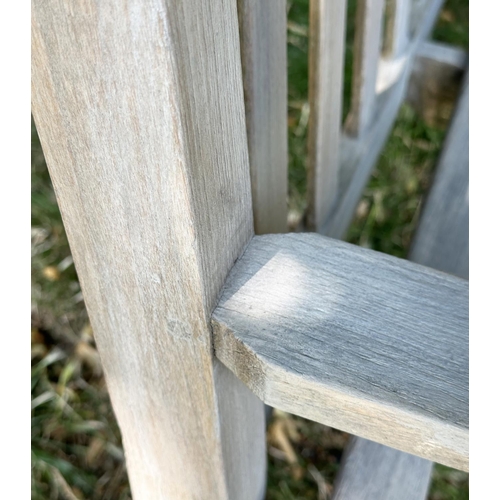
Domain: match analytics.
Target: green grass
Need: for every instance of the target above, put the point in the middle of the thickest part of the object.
(76, 445)
(75, 441)
(453, 24)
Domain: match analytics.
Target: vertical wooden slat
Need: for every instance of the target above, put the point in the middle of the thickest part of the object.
(442, 237)
(367, 45)
(396, 52)
(326, 72)
(360, 154)
(140, 111)
(398, 27)
(263, 54)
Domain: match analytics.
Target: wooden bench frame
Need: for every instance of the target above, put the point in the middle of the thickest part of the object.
(157, 141)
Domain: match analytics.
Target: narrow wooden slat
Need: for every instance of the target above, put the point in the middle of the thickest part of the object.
(370, 344)
(398, 27)
(263, 54)
(373, 471)
(418, 9)
(442, 237)
(358, 158)
(359, 155)
(402, 50)
(394, 57)
(326, 73)
(140, 111)
(367, 47)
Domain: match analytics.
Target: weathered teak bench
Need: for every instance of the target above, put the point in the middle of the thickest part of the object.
(164, 128)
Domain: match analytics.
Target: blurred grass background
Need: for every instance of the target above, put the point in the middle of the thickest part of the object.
(76, 447)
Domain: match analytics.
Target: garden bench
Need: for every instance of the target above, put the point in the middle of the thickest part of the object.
(164, 128)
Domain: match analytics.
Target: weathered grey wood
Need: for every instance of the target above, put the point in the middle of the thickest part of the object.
(398, 27)
(392, 66)
(370, 470)
(435, 81)
(326, 73)
(373, 471)
(359, 155)
(140, 111)
(441, 54)
(418, 8)
(361, 341)
(263, 54)
(397, 39)
(367, 47)
(442, 237)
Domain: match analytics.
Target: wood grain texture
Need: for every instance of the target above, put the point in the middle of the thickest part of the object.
(140, 111)
(326, 73)
(367, 47)
(373, 471)
(263, 54)
(370, 470)
(370, 344)
(442, 237)
(360, 154)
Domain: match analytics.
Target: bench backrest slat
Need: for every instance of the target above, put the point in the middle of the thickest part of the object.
(263, 53)
(326, 75)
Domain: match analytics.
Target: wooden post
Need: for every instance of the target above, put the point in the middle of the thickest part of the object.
(139, 106)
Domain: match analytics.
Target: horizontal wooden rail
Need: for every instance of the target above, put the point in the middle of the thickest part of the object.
(355, 339)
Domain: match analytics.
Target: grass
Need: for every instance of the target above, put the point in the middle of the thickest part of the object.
(76, 445)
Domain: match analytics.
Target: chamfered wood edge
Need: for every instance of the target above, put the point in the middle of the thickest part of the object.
(342, 407)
